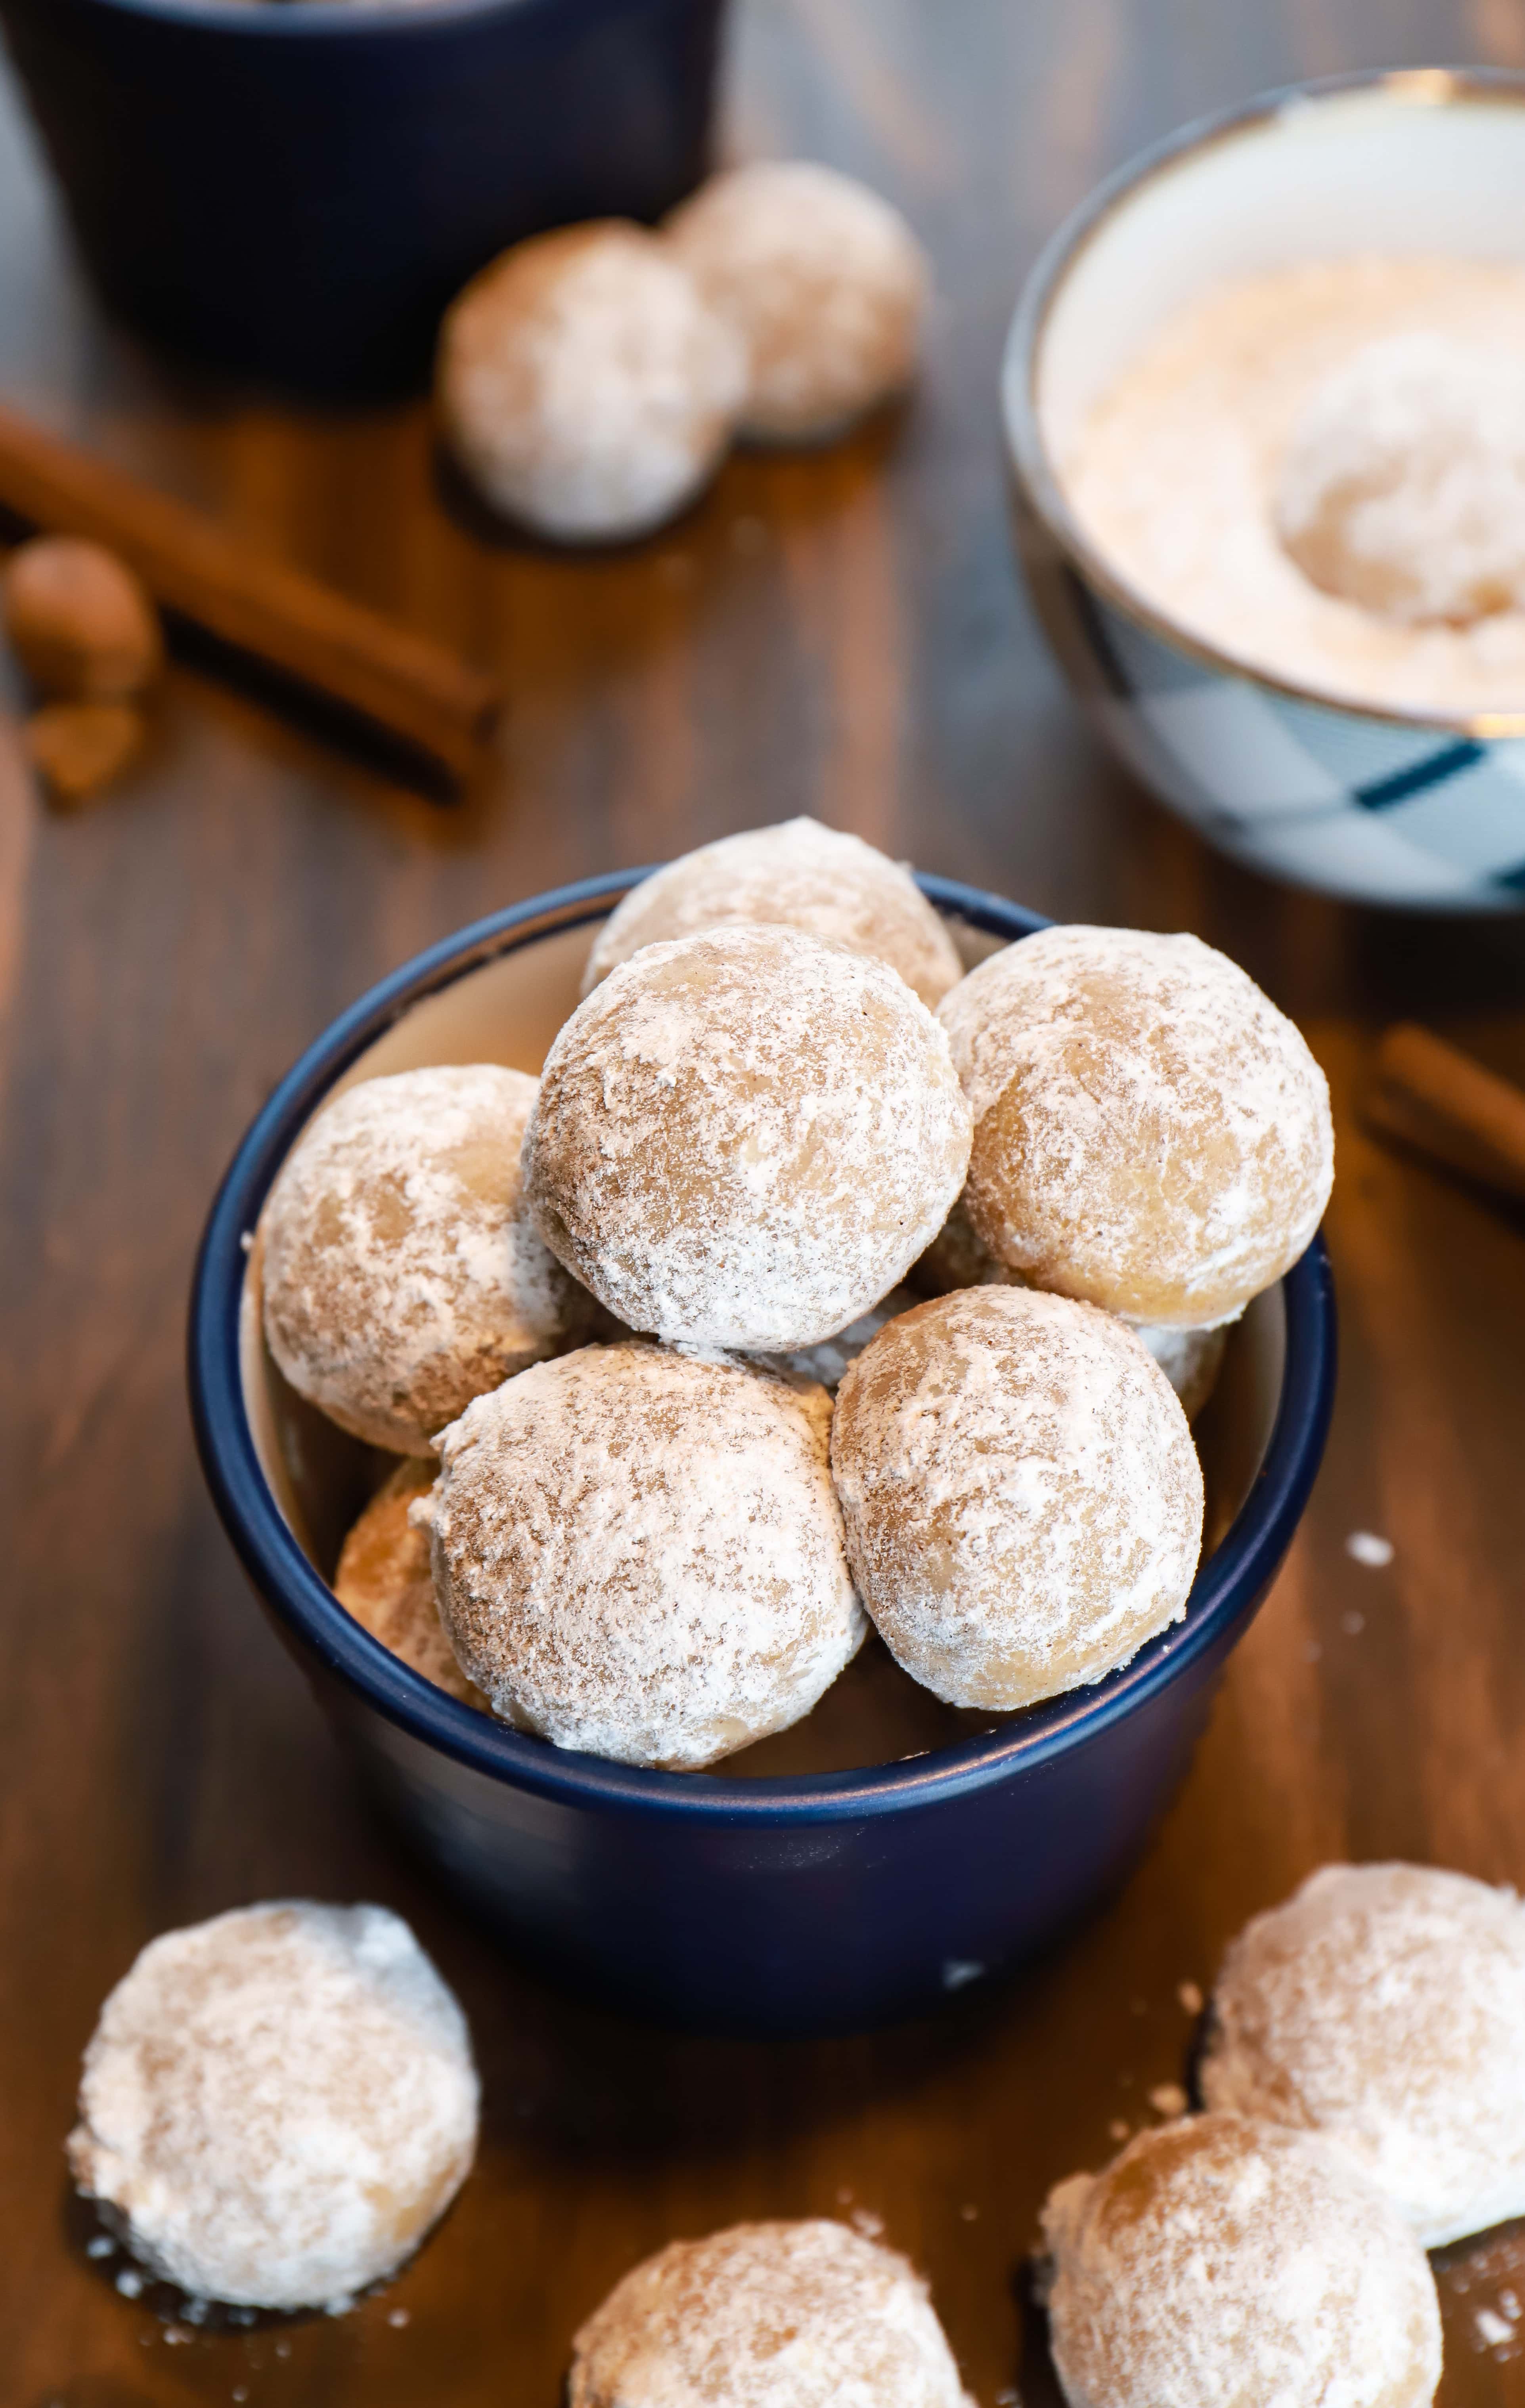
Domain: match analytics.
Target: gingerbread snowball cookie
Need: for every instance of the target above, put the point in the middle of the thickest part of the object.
(1221, 2261)
(746, 1138)
(799, 874)
(639, 1552)
(276, 2105)
(1384, 2006)
(1401, 488)
(1022, 1500)
(767, 2315)
(1151, 1133)
(386, 1582)
(824, 284)
(402, 1273)
(586, 386)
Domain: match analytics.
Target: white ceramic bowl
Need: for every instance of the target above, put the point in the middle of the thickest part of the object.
(1417, 808)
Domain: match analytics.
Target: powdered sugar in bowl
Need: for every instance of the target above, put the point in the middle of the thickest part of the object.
(883, 1854)
(1260, 402)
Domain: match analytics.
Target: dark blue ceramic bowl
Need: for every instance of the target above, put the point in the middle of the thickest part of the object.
(789, 1903)
(297, 191)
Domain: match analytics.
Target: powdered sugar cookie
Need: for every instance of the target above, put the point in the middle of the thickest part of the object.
(767, 2315)
(1222, 2260)
(402, 1273)
(1402, 486)
(1022, 1500)
(586, 386)
(1150, 1133)
(744, 1139)
(823, 281)
(1384, 2006)
(800, 875)
(384, 1579)
(639, 1552)
(277, 2104)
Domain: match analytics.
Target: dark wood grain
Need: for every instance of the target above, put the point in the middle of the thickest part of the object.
(842, 633)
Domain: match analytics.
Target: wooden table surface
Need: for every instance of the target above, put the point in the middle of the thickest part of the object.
(841, 634)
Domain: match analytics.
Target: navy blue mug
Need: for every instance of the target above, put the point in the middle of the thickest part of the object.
(295, 189)
(795, 1902)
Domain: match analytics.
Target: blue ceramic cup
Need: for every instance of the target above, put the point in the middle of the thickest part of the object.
(295, 189)
(885, 1853)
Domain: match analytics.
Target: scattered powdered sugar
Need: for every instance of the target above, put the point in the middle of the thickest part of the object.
(1151, 1132)
(745, 1138)
(1022, 1498)
(830, 1359)
(1217, 2260)
(823, 281)
(1175, 476)
(1384, 2006)
(277, 2103)
(1402, 483)
(585, 384)
(402, 1273)
(639, 1552)
(386, 1581)
(1366, 1548)
(767, 2315)
(799, 875)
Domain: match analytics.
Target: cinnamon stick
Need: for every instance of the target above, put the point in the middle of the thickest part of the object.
(402, 683)
(1448, 1107)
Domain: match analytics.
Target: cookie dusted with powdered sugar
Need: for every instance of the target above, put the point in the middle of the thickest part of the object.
(385, 1579)
(586, 386)
(744, 1139)
(823, 282)
(276, 2105)
(800, 875)
(1151, 1133)
(402, 1273)
(767, 2315)
(1384, 2006)
(1022, 1500)
(1220, 2261)
(639, 1552)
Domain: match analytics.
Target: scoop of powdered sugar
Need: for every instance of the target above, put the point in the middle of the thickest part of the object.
(1384, 2006)
(800, 875)
(639, 1552)
(745, 1138)
(1151, 1133)
(277, 2104)
(402, 1273)
(767, 2315)
(1402, 485)
(1220, 2260)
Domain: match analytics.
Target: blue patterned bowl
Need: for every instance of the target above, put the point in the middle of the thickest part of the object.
(1413, 808)
(885, 1853)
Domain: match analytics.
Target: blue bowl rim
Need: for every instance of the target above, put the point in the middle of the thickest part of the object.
(1021, 427)
(1228, 1586)
(308, 21)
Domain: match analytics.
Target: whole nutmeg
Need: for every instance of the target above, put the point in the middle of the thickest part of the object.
(78, 621)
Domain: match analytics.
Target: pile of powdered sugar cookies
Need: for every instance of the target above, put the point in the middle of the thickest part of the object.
(591, 382)
(1362, 2083)
(600, 1316)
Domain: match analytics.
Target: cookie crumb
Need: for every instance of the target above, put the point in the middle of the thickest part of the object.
(1190, 1998)
(1168, 2098)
